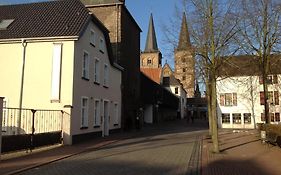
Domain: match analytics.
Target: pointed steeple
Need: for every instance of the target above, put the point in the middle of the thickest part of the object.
(151, 42)
(184, 40)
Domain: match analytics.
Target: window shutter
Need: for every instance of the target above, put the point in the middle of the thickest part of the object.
(275, 79)
(222, 100)
(262, 117)
(277, 117)
(276, 98)
(261, 98)
(234, 99)
(260, 79)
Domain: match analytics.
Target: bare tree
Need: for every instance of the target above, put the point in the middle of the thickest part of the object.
(259, 35)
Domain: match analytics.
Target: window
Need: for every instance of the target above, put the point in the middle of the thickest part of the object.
(183, 77)
(85, 66)
(84, 112)
(149, 61)
(5, 23)
(271, 116)
(176, 90)
(273, 98)
(106, 75)
(97, 71)
(271, 79)
(183, 69)
(56, 72)
(262, 117)
(102, 45)
(225, 118)
(116, 114)
(277, 117)
(93, 37)
(247, 118)
(97, 113)
(236, 118)
(228, 99)
(166, 81)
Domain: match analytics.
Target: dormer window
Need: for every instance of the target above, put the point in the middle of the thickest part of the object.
(5, 23)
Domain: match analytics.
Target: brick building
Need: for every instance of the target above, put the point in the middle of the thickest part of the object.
(184, 60)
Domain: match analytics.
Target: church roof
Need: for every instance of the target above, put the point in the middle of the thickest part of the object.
(184, 40)
(153, 73)
(151, 42)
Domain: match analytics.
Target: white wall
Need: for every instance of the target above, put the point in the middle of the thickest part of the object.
(246, 103)
(88, 88)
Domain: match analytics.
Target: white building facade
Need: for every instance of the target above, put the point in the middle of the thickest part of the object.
(240, 100)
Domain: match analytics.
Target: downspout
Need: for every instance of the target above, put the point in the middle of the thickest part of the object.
(24, 44)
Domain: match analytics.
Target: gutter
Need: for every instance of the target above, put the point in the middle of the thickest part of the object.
(39, 39)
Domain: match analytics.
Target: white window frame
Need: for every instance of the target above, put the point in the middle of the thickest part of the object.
(105, 75)
(116, 114)
(85, 65)
(97, 71)
(93, 37)
(85, 109)
(101, 44)
(56, 72)
(97, 113)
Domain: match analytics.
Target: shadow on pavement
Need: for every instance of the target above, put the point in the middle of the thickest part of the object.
(234, 167)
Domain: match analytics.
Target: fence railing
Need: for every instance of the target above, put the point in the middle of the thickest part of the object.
(31, 121)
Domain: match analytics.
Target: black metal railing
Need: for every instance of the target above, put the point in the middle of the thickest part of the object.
(31, 121)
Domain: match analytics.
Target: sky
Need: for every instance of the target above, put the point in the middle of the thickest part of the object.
(162, 11)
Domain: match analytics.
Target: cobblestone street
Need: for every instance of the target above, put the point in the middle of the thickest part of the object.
(150, 153)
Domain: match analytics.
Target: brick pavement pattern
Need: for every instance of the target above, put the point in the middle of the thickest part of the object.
(158, 149)
(242, 153)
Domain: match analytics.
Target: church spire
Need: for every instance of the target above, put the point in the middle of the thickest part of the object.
(151, 42)
(184, 40)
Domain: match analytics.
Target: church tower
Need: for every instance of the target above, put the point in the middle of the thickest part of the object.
(151, 57)
(184, 60)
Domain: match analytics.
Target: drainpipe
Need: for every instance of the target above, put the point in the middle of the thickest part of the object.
(1, 116)
(24, 44)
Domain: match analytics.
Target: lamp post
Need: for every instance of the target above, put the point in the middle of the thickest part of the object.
(24, 44)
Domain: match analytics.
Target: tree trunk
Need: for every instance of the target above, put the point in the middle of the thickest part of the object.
(209, 99)
(214, 115)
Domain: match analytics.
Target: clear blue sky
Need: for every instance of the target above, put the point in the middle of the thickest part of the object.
(162, 10)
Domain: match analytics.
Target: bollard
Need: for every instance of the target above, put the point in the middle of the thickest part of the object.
(1, 116)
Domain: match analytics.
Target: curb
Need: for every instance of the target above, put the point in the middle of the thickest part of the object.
(96, 147)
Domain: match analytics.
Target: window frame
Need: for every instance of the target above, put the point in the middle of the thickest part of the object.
(93, 37)
(97, 113)
(234, 118)
(85, 66)
(225, 118)
(84, 113)
(106, 75)
(96, 71)
(101, 45)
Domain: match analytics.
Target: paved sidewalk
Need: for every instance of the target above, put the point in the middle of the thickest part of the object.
(241, 153)
(14, 165)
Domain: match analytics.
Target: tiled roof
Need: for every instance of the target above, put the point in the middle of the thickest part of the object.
(153, 73)
(45, 19)
(95, 2)
(247, 65)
